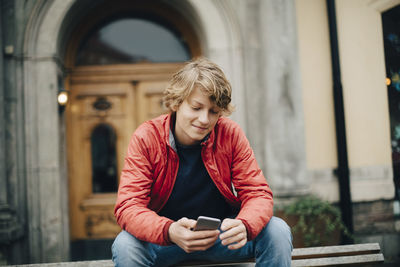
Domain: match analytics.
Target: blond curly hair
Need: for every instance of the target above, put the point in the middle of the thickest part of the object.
(203, 73)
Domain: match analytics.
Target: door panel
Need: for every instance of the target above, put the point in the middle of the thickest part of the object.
(149, 99)
(93, 105)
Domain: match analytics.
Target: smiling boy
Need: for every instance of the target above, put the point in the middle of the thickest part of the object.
(195, 161)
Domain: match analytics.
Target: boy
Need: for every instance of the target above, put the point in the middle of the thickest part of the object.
(190, 163)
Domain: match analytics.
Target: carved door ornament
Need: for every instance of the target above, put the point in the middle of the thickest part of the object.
(102, 104)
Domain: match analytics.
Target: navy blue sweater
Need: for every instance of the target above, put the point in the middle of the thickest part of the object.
(194, 192)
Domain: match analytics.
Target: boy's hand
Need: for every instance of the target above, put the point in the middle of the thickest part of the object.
(234, 233)
(181, 234)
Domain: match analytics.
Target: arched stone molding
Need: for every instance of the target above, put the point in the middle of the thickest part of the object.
(43, 72)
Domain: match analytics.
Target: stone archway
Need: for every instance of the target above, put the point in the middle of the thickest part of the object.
(43, 72)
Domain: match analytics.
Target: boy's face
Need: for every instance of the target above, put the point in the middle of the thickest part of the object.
(195, 118)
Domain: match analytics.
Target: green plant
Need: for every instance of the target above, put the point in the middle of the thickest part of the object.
(317, 221)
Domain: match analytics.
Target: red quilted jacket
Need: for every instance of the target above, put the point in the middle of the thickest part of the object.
(150, 170)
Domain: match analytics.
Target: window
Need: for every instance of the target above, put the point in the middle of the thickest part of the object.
(391, 32)
(104, 160)
(132, 40)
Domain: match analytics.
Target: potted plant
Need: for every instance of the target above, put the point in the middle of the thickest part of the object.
(314, 222)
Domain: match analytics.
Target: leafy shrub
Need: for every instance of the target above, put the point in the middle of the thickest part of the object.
(317, 221)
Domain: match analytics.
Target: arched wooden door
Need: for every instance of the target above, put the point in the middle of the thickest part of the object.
(119, 69)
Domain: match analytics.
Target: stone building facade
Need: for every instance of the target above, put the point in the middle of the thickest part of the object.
(278, 57)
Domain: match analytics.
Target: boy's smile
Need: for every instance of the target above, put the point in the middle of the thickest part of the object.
(195, 117)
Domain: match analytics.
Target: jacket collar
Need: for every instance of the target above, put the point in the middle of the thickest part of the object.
(170, 120)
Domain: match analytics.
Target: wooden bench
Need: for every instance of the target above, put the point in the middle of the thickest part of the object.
(345, 255)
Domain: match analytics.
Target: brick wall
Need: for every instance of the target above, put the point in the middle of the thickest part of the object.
(376, 222)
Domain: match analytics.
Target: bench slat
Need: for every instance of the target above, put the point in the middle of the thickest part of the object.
(331, 251)
(343, 260)
(329, 255)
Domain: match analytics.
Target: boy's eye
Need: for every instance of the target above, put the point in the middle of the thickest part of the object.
(214, 111)
(195, 108)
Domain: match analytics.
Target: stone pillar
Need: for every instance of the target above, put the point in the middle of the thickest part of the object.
(45, 166)
(275, 120)
(12, 187)
(3, 181)
(3, 177)
(44, 182)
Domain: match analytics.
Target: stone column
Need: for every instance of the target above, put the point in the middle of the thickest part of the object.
(12, 187)
(275, 120)
(45, 171)
(3, 181)
(44, 184)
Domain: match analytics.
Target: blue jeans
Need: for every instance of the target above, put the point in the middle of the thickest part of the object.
(272, 247)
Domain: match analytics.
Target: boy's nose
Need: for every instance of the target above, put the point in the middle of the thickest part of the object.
(203, 118)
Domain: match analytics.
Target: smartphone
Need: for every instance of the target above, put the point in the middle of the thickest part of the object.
(207, 223)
